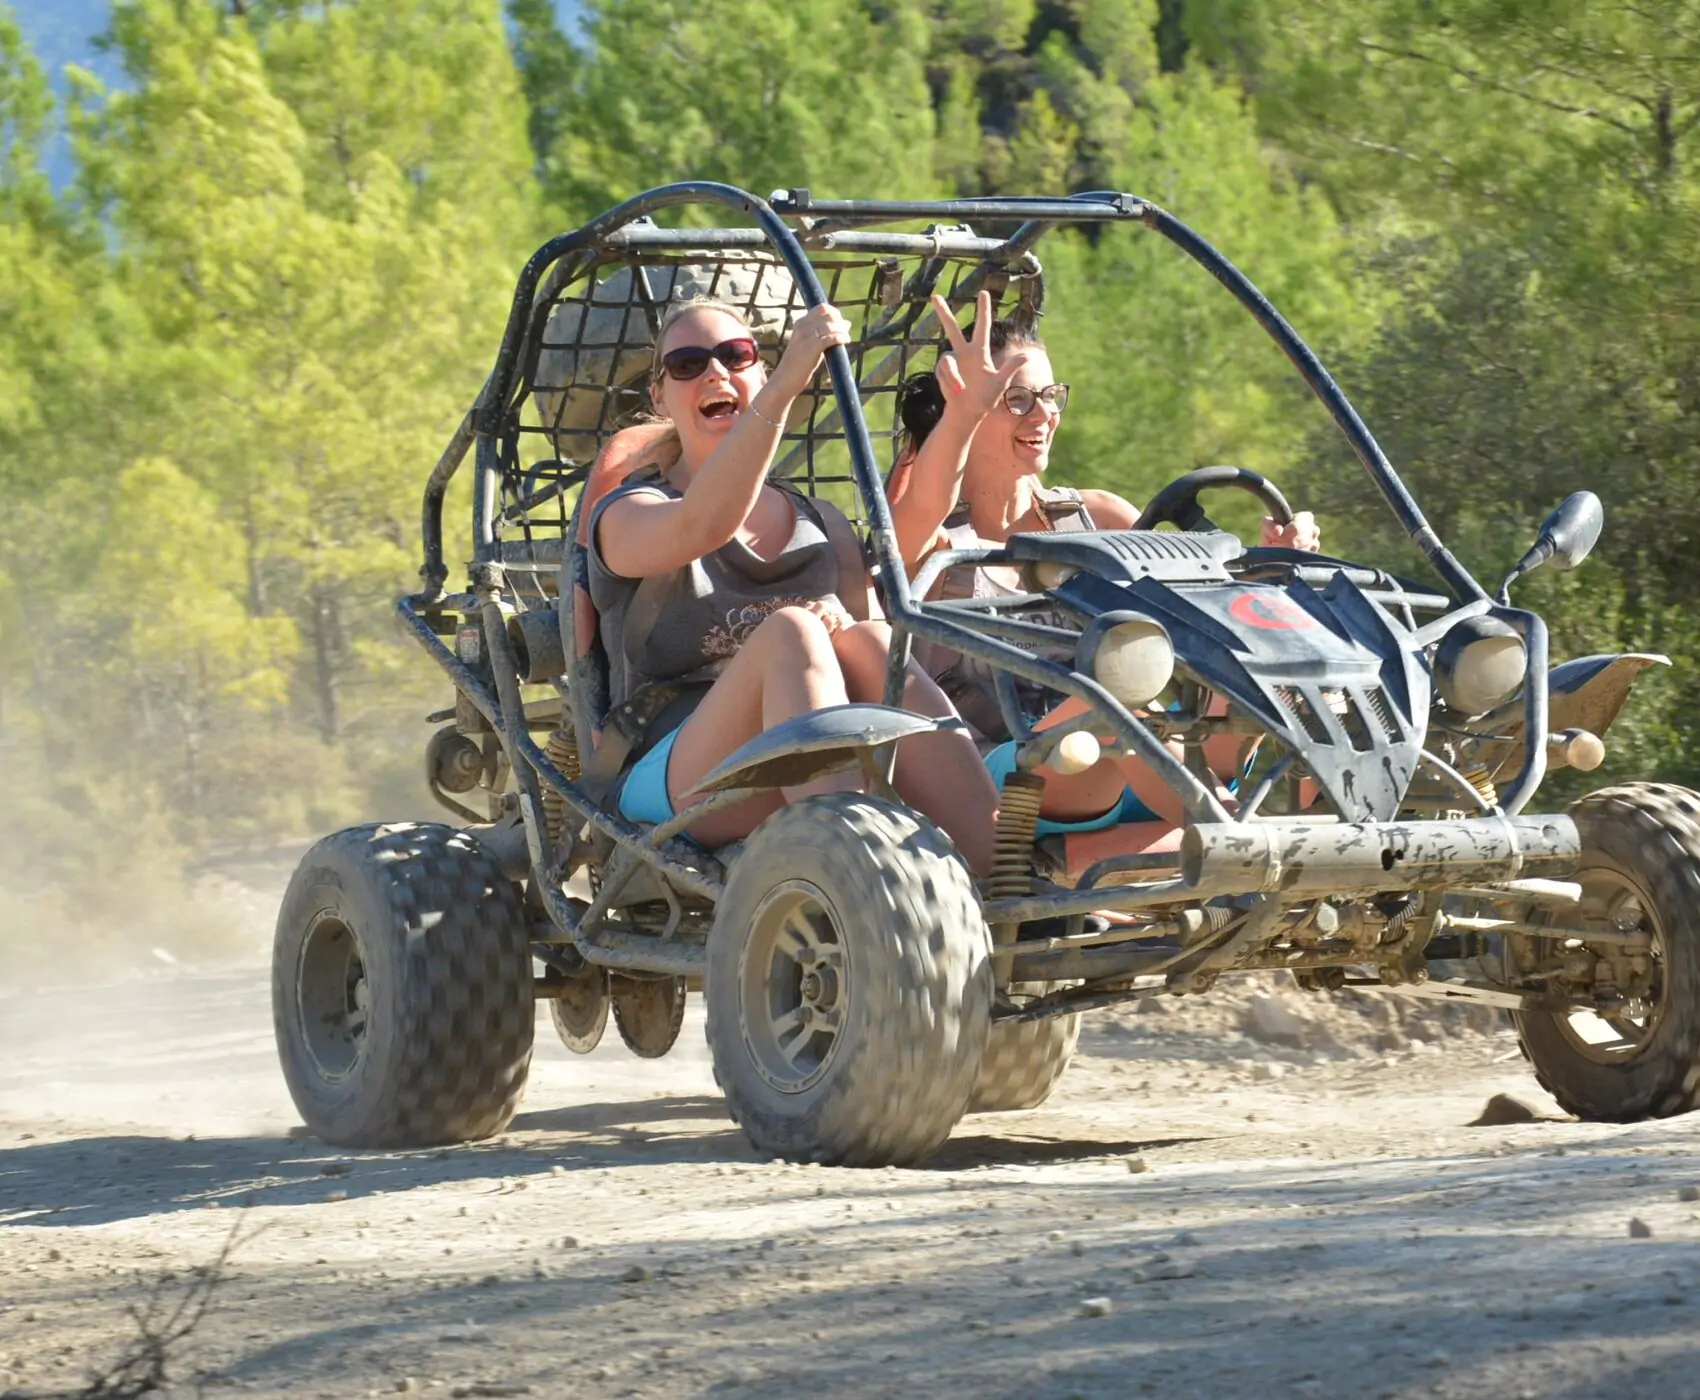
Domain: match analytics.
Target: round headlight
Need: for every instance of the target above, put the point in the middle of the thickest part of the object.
(1048, 574)
(1479, 665)
(1134, 660)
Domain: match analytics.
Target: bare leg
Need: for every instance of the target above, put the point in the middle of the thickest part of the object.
(940, 774)
(786, 668)
(1078, 796)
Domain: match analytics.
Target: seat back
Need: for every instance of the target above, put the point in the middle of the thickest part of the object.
(573, 428)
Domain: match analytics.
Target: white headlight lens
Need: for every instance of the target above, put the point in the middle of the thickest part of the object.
(1479, 665)
(1134, 661)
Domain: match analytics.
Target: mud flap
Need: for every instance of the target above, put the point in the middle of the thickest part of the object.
(808, 746)
(1587, 693)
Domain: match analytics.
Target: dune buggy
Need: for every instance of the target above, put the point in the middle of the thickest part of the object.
(862, 990)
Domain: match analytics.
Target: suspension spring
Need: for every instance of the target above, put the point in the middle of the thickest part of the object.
(1018, 817)
(562, 751)
(1481, 780)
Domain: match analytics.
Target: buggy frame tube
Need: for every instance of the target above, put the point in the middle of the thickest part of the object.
(1095, 206)
(492, 418)
(1108, 205)
(494, 406)
(433, 570)
(519, 742)
(1381, 472)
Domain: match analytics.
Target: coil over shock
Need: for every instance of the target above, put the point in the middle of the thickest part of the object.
(1018, 819)
(562, 751)
(1481, 780)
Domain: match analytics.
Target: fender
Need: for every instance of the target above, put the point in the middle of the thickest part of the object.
(1587, 693)
(823, 741)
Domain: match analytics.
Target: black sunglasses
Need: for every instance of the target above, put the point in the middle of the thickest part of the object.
(687, 362)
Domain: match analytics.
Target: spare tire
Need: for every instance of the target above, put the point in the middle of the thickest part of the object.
(599, 341)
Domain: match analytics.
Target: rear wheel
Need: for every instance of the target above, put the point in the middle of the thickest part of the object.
(1024, 1059)
(849, 984)
(402, 988)
(1640, 875)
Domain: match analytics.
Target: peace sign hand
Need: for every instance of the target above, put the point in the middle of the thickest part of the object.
(968, 375)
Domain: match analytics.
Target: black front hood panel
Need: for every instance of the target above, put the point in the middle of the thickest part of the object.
(1330, 674)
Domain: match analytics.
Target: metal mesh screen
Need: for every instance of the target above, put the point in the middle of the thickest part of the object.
(590, 347)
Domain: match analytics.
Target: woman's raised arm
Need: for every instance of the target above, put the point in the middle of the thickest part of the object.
(644, 533)
(972, 386)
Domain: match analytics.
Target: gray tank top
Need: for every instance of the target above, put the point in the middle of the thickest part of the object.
(686, 625)
(969, 683)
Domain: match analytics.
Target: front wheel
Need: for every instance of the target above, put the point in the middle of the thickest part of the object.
(849, 984)
(1640, 876)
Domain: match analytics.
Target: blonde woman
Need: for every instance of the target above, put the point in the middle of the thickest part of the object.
(703, 571)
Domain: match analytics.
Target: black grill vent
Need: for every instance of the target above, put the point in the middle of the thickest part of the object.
(1376, 700)
(1300, 708)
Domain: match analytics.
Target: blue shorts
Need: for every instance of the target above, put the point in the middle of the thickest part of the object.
(644, 797)
(1000, 763)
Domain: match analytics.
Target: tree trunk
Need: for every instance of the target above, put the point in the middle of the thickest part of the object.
(327, 660)
(1172, 42)
(1664, 128)
(258, 603)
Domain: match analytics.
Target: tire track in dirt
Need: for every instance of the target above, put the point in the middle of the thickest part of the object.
(1306, 1222)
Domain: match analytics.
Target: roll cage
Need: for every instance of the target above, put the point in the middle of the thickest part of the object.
(804, 234)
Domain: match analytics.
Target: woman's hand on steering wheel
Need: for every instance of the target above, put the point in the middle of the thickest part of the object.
(968, 374)
(1300, 532)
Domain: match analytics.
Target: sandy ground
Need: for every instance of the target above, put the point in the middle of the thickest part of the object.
(1248, 1219)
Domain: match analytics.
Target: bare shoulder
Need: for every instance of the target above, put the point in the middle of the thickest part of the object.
(1109, 511)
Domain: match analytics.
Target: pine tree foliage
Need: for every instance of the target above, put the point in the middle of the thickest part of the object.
(233, 345)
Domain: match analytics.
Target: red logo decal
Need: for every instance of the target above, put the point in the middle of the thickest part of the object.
(1273, 612)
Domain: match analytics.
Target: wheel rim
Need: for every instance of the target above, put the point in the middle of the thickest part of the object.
(332, 997)
(794, 984)
(1613, 899)
(580, 1013)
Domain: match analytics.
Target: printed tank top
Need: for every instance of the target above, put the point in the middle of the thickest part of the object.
(686, 625)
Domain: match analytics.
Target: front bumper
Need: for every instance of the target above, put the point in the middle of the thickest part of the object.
(1358, 858)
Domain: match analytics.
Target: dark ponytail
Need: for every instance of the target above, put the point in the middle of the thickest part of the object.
(920, 405)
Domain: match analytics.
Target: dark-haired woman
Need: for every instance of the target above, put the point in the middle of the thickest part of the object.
(979, 438)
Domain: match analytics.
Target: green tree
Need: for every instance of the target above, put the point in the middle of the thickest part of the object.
(1525, 175)
(248, 331)
(756, 94)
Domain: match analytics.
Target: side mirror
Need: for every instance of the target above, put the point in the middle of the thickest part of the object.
(1573, 529)
(1567, 537)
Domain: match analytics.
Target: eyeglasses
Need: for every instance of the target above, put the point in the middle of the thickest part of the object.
(687, 362)
(1020, 400)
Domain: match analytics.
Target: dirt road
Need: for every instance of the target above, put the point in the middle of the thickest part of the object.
(1246, 1219)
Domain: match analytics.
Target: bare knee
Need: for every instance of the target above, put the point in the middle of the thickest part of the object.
(862, 649)
(796, 633)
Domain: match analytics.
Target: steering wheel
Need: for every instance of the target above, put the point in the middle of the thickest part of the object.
(1177, 503)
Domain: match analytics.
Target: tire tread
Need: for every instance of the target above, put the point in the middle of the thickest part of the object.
(1665, 820)
(462, 1053)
